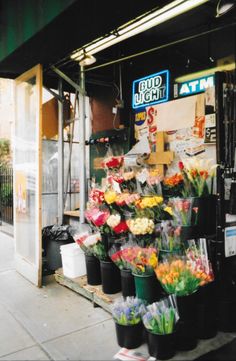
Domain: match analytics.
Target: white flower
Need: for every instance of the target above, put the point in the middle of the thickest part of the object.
(113, 220)
(92, 240)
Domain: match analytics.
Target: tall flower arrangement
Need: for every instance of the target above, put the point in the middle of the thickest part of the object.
(198, 175)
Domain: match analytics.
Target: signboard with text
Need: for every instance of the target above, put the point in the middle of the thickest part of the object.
(150, 90)
(195, 86)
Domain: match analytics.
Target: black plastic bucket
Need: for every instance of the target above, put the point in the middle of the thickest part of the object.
(162, 347)
(227, 314)
(129, 336)
(186, 334)
(188, 232)
(127, 283)
(111, 280)
(206, 218)
(93, 270)
(207, 311)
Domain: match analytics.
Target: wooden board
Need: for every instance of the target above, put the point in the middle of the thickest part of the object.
(93, 293)
(72, 213)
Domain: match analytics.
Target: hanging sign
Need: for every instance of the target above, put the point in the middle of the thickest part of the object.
(152, 89)
(195, 86)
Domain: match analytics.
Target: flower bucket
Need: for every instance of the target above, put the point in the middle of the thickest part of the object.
(111, 280)
(147, 287)
(130, 336)
(162, 347)
(186, 335)
(93, 270)
(207, 311)
(206, 218)
(127, 283)
(188, 232)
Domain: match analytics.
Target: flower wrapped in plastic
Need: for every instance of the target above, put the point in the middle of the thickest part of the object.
(184, 213)
(197, 258)
(149, 182)
(168, 237)
(96, 196)
(141, 261)
(123, 257)
(142, 228)
(150, 207)
(97, 216)
(161, 317)
(177, 276)
(129, 181)
(91, 244)
(198, 175)
(113, 163)
(128, 312)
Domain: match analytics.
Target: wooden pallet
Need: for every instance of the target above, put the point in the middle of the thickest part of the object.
(93, 293)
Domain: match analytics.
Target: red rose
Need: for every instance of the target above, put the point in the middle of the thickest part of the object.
(121, 228)
(181, 165)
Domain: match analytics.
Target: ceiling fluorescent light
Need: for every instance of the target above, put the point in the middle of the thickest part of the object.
(137, 26)
(202, 73)
(224, 6)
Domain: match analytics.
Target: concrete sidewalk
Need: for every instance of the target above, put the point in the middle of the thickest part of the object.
(54, 323)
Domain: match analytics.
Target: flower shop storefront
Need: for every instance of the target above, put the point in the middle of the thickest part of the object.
(153, 238)
(155, 235)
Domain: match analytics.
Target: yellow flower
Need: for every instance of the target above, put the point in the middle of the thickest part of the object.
(168, 210)
(153, 260)
(110, 197)
(158, 199)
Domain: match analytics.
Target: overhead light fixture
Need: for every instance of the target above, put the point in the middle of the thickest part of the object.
(86, 59)
(224, 6)
(202, 73)
(138, 25)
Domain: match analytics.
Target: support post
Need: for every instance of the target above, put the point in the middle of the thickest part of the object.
(82, 194)
(60, 157)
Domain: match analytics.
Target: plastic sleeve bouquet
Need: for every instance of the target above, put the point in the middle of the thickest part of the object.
(197, 258)
(143, 230)
(169, 236)
(128, 312)
(92, 244)
(149, 206)
(142, 261)
(183, 212)
(161, 317)
(177, 277)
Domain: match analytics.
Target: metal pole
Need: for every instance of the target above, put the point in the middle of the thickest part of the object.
(82, 194)
(60, 157)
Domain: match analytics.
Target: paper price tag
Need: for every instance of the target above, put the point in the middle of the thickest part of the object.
(116, 186)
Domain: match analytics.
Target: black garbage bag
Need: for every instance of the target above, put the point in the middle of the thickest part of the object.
(53, 237)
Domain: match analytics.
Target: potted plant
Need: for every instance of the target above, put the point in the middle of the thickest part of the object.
(160, 320)
(128, 322)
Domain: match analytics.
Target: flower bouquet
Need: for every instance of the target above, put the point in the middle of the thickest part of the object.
(149, 182)
(97, 216)
(161, 317)
(92, 244)
(128, 322)
(184, 213)
(143, 230)
(172, 186)
(149, 206)
(113, 163)
(96, 196)
(198, 260)
(168, 236)
(160, 320)
(198, 176)
(129, 181)
(177, 277)
(128, 312)
(142, 261)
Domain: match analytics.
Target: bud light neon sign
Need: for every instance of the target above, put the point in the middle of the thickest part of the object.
(150, 90)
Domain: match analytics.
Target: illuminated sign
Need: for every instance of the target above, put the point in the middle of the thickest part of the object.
(196, 85)
(152, 89)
